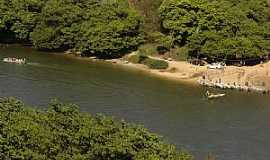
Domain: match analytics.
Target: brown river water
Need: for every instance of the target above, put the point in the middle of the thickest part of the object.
(235, 127)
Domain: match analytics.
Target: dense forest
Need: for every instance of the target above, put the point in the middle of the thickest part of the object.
(62, 132)
(219, 29)
(90, 26)
(216, 30)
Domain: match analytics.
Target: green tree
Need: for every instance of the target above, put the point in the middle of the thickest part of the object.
(221, 29)
(19, 17)
(103, 28)
(106, 28)
(62, 132)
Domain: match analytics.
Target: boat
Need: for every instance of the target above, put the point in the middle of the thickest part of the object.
(15, 60)
(216, 66)
(213, 96)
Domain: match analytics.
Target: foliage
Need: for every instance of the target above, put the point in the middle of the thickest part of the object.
(150, 62)
(148, 9)
(148, 49)
(219, 29)
(179, 53)
(156, 63)
(161, 39)
(62, 132)
(105, 28)
(19, 18)
(137, 58)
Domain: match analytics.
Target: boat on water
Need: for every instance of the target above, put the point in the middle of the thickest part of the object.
(15, 60)
(213, 96)
(216, 66)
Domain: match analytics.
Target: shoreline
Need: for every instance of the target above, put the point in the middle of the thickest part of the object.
(164, 74)
(257, 76)
(246, 78)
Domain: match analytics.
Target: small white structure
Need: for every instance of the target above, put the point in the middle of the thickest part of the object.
(212, 96)
(15, 60)
(216, 66)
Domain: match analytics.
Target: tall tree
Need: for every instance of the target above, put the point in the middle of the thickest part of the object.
(219, 29)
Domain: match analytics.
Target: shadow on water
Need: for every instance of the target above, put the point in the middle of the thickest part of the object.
(234, 127)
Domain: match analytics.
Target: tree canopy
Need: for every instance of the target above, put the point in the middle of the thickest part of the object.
(63, 133)
(220, 29)
(107, 27)
(216, 29)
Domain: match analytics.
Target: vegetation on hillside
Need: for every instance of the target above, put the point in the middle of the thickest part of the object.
(62, 132)
(18, 19)
(149, 10)
(148, 61)
(218, 29)
(103, 28)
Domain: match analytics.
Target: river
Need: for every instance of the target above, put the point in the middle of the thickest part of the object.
(236, 127)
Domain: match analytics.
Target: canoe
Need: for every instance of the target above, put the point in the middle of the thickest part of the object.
(212, 96)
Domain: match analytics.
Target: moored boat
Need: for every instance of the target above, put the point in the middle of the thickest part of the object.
(212, 96)
(15, 60)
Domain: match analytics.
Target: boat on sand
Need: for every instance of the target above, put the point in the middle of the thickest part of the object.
(15, 60)
(213, 96)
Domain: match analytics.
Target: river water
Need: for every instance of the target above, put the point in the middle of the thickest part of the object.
(236, 127)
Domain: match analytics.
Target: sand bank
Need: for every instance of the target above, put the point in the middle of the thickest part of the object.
(249, 78)
(253, 76)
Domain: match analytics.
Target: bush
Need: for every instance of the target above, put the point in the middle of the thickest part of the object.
(161, 39)
(150, 62)
(62, 132)
(148, 49)
(179, 53)
(137, 58)
(155, 63)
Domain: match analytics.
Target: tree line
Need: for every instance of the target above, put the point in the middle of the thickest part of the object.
(101, 27)
(216, 30)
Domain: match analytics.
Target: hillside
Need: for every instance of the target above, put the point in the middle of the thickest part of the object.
(62, 132)
(235, 32)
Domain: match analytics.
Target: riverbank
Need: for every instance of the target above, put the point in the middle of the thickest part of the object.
(253, 77)
(246, 78)
(165, 107)
(177, 70)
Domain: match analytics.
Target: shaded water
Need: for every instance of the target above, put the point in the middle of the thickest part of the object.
(235, 127)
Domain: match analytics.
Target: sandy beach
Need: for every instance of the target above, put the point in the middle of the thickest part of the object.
(255, 76)
(252, 76)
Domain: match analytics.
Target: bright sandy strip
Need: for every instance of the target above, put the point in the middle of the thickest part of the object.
(258, 75)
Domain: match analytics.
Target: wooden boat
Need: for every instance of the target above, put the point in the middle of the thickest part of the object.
(15, 60)
(216, 66)
(213, 96)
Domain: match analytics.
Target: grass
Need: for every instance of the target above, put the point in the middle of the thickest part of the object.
(150, 62)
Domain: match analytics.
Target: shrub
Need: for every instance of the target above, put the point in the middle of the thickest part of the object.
(148, 49)
(161, 39)
(137, 58)
(179, 53)
(150, 62)
(155, 63)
